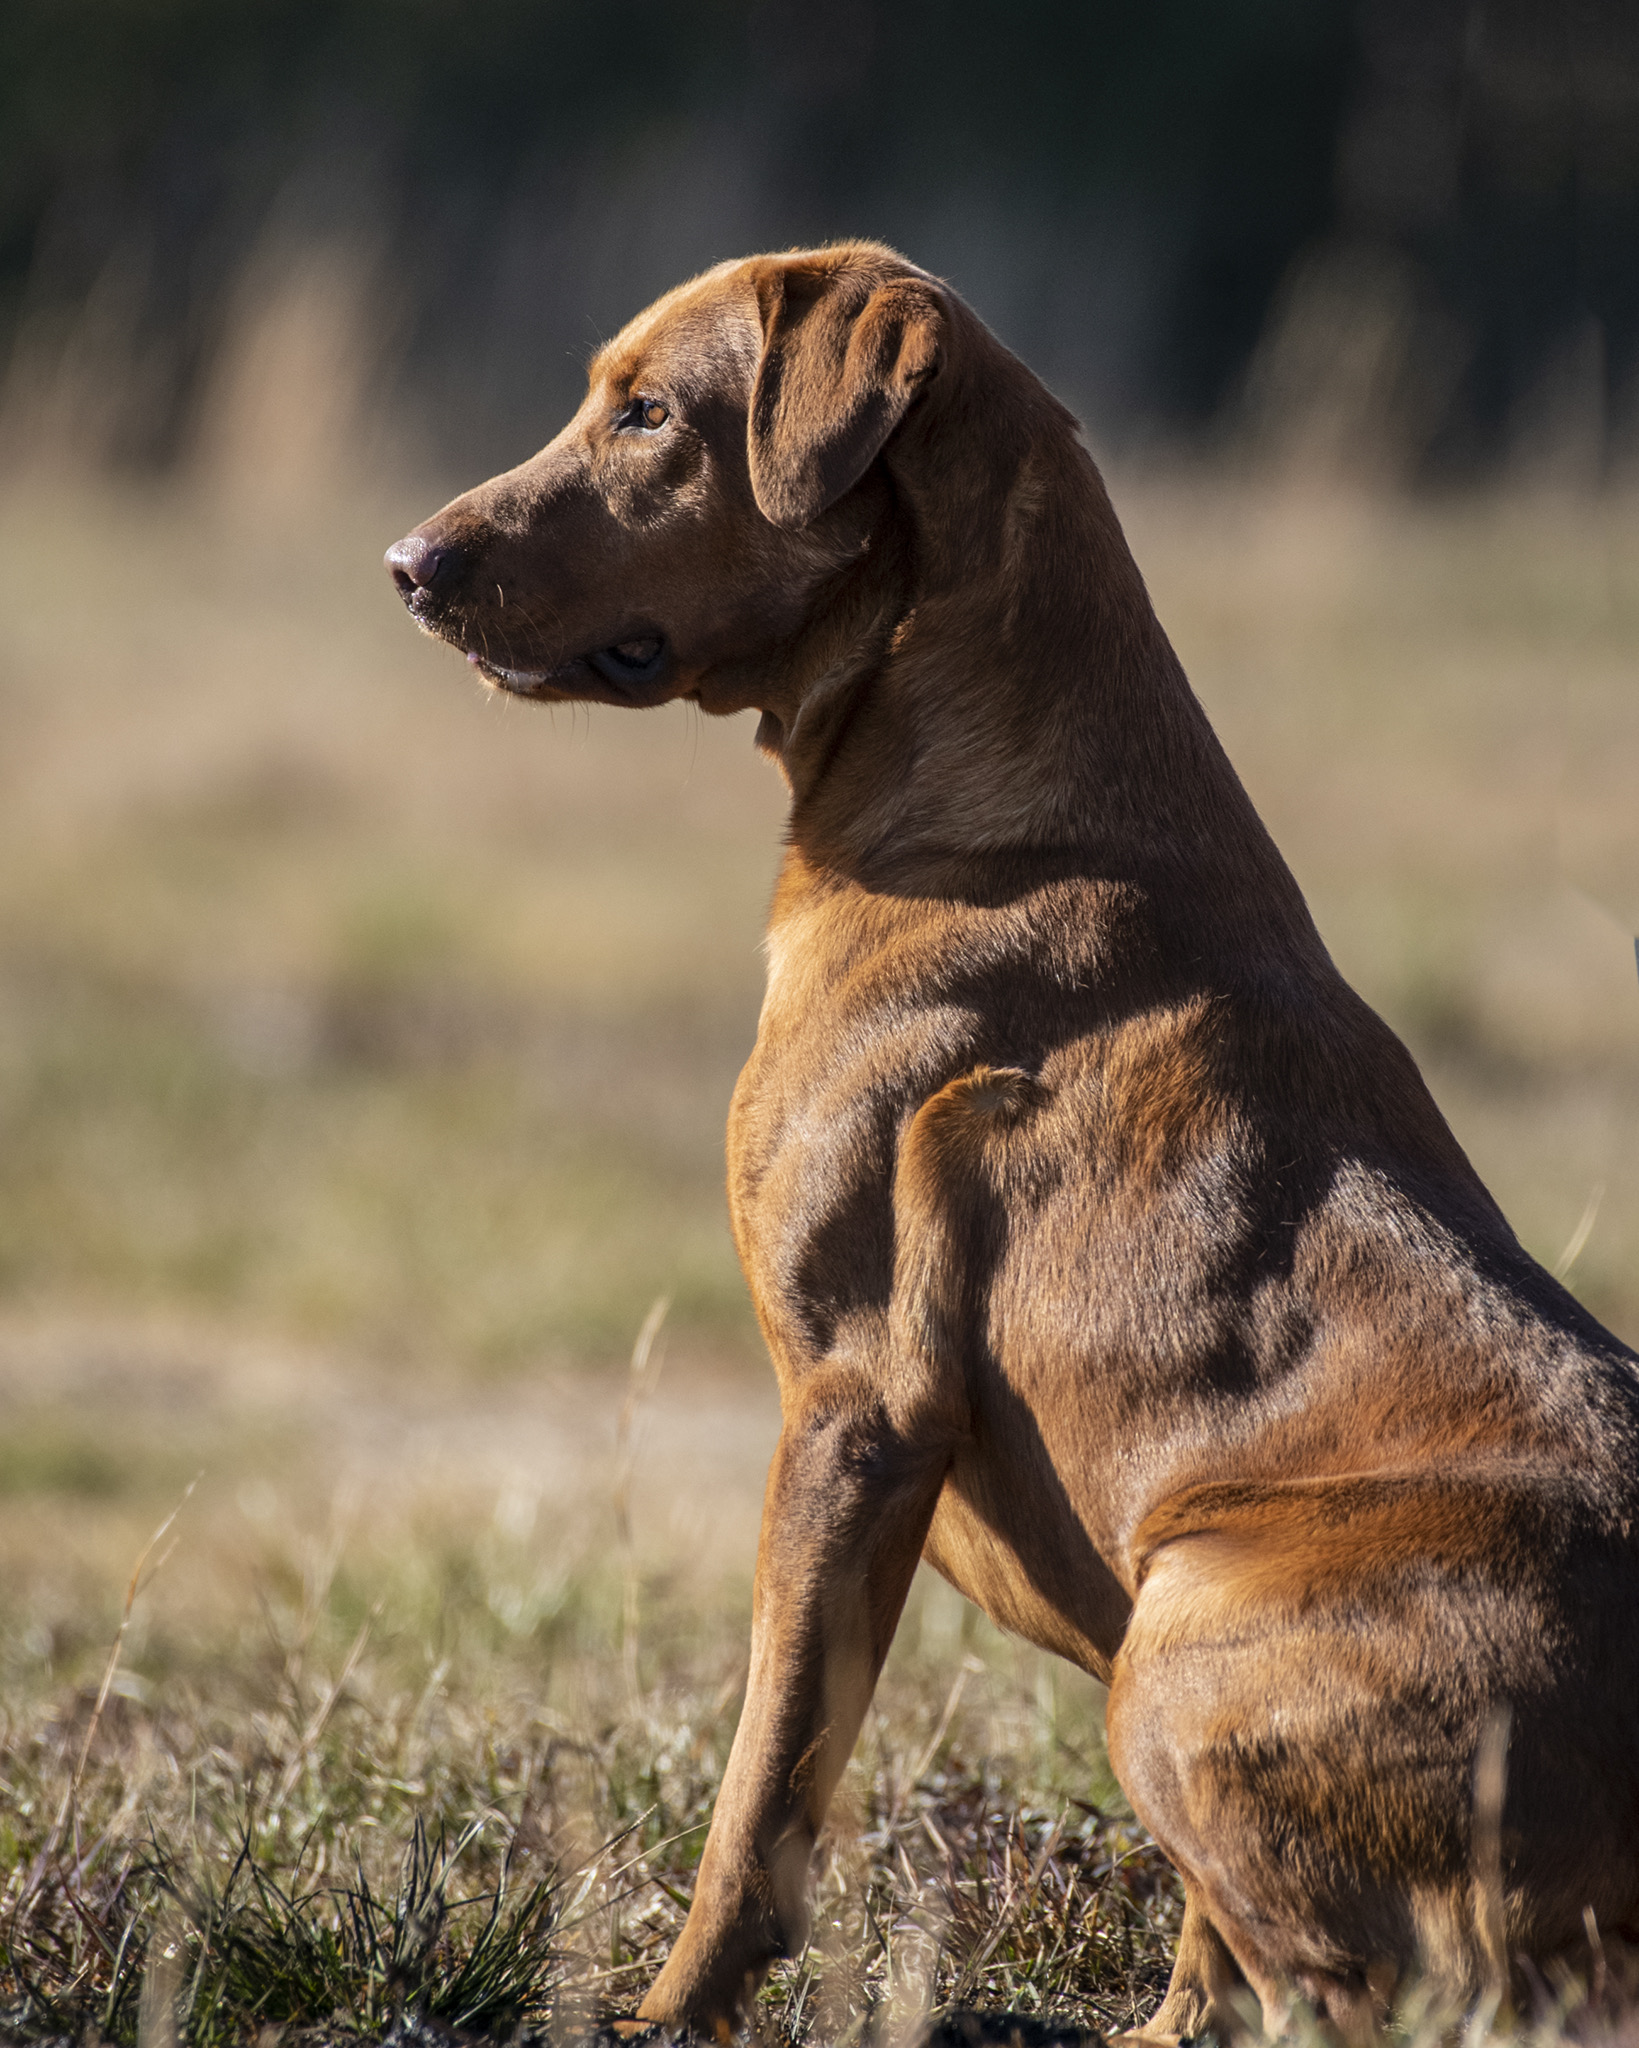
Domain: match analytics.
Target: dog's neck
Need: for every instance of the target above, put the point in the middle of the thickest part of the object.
(989, 681)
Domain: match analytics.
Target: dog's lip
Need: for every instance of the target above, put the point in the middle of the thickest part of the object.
(631, 662)
(627, 670)
(517, 678)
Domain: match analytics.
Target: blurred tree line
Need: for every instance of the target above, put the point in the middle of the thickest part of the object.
(1397, 233)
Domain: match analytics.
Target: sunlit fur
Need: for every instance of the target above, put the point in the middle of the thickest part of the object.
(1111, 1253)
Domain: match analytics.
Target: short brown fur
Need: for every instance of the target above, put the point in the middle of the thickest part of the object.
(1110, 1252)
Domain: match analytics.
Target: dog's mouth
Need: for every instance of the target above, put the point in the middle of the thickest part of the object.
(629, 668)
(631, 661)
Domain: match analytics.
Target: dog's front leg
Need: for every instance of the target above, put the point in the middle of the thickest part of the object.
(850, 1497)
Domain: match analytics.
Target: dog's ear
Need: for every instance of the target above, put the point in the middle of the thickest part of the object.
(843, 356)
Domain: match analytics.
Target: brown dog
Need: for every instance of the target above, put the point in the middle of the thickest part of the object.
(1111, 1253)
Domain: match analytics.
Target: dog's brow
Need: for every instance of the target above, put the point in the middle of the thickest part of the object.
(689, 310)
(602, 368)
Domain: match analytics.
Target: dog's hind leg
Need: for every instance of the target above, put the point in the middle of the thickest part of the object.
(1200, 2003)
(1293, 1777)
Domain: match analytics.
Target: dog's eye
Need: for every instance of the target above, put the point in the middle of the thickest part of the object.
(643, 414)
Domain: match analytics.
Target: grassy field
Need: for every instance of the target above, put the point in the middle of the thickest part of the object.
(364, 1050)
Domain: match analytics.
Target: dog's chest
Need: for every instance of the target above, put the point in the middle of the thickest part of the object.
(874, 1003)
(813, 1135)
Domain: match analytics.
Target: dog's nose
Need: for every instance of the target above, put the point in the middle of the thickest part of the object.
(417, 563)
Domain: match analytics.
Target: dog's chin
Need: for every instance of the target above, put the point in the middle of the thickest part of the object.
(633, 672)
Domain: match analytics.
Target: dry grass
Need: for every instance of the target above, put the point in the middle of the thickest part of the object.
(419, 1777)
(364, 1049)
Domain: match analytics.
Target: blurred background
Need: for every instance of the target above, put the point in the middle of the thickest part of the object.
(365, 1043)
(291, 238)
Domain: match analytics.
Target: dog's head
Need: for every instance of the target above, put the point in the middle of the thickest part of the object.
(721, 472)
